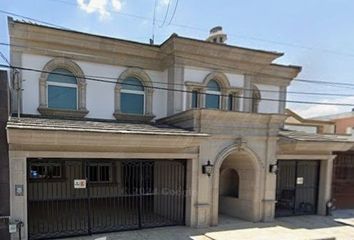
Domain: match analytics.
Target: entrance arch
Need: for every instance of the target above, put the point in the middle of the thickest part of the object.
(236, 189)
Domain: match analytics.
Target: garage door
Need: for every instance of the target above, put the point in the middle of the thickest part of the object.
(81, 197)
(297, 187)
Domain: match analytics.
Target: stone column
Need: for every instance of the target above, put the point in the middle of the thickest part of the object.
(117, 98)
(148, 101)
(325, 184)
(18, 201)
(282, 99)
(15, 60)
(247, 94)
(175, 81)
(82, 95)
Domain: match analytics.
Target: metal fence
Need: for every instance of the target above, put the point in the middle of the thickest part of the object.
(81, 197)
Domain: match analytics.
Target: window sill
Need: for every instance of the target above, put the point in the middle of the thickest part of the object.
(51, 112)
(133, 117)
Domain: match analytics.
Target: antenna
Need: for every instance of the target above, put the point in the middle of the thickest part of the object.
(152, 39)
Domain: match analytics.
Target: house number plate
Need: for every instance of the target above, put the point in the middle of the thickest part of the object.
(300, 180)
(79, 183)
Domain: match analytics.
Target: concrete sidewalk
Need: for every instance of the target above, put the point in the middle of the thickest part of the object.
(289, 228)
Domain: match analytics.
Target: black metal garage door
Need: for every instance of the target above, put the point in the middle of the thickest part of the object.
(119, 195)
(297, 187)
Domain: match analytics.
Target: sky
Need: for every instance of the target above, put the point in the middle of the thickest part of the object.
(315, 34)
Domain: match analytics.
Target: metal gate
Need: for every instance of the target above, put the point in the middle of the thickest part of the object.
(81, 197)
(297, 187)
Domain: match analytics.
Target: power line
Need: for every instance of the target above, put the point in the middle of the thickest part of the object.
(174, 12)
(4, 58)
(165, 18)
(176, 90)
(309, 48)
(311, 81)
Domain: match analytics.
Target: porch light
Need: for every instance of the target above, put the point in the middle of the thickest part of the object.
(273, 168)
(207, 168)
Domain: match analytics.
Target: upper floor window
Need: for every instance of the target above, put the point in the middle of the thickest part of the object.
(213, 94)
(62, 90)
(132, 96)
(230, 105)
(195, 99)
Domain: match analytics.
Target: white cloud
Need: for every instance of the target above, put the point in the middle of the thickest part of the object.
(308, 111)
(100, 6)
(164, 2)
(117, 5)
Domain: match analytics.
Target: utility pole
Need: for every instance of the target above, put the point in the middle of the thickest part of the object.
(152, 39)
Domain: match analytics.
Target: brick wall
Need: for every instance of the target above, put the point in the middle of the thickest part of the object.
(343, 123)
(4, 157)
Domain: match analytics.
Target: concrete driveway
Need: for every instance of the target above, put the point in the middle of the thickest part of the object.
(287, 228)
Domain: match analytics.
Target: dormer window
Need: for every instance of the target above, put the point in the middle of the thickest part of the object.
(213, 94)
(62, 90)
(195, 99)
(132, 96)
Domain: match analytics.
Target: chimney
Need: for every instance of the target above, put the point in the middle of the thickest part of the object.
(216, 35)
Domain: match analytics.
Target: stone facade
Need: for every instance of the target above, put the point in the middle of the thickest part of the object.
(244, 139)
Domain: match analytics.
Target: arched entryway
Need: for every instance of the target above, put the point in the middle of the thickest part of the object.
(236, 185)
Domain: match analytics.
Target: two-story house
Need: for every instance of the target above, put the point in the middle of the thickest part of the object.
(118, 135)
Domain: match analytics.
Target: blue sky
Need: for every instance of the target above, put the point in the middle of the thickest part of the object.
(321, 30)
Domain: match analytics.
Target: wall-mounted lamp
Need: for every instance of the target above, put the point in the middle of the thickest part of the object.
(273, 168)
(207, 168)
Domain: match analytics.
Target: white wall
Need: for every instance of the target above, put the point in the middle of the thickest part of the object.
(268, 92)
(307, 129)
(99, 95)
(193, 74)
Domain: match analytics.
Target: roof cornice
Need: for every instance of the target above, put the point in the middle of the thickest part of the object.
(49, 41)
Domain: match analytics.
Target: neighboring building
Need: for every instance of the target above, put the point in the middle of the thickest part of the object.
(343, 164)
(296, 123)
(117, 135)
(344, 122)
(4, 158)
(343, 178)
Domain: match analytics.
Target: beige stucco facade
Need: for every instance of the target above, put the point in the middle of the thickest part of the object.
(248, 147)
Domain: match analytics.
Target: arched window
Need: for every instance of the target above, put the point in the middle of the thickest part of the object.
(132, 96)
(62, 90)
(213, 94)
(256, 98)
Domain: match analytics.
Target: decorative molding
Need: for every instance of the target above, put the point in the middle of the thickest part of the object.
(62, 112)
(124, 117)
(72, 67)
(148, 89)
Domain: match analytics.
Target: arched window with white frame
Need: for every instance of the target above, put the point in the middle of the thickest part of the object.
(132, 96)
(213, 95)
